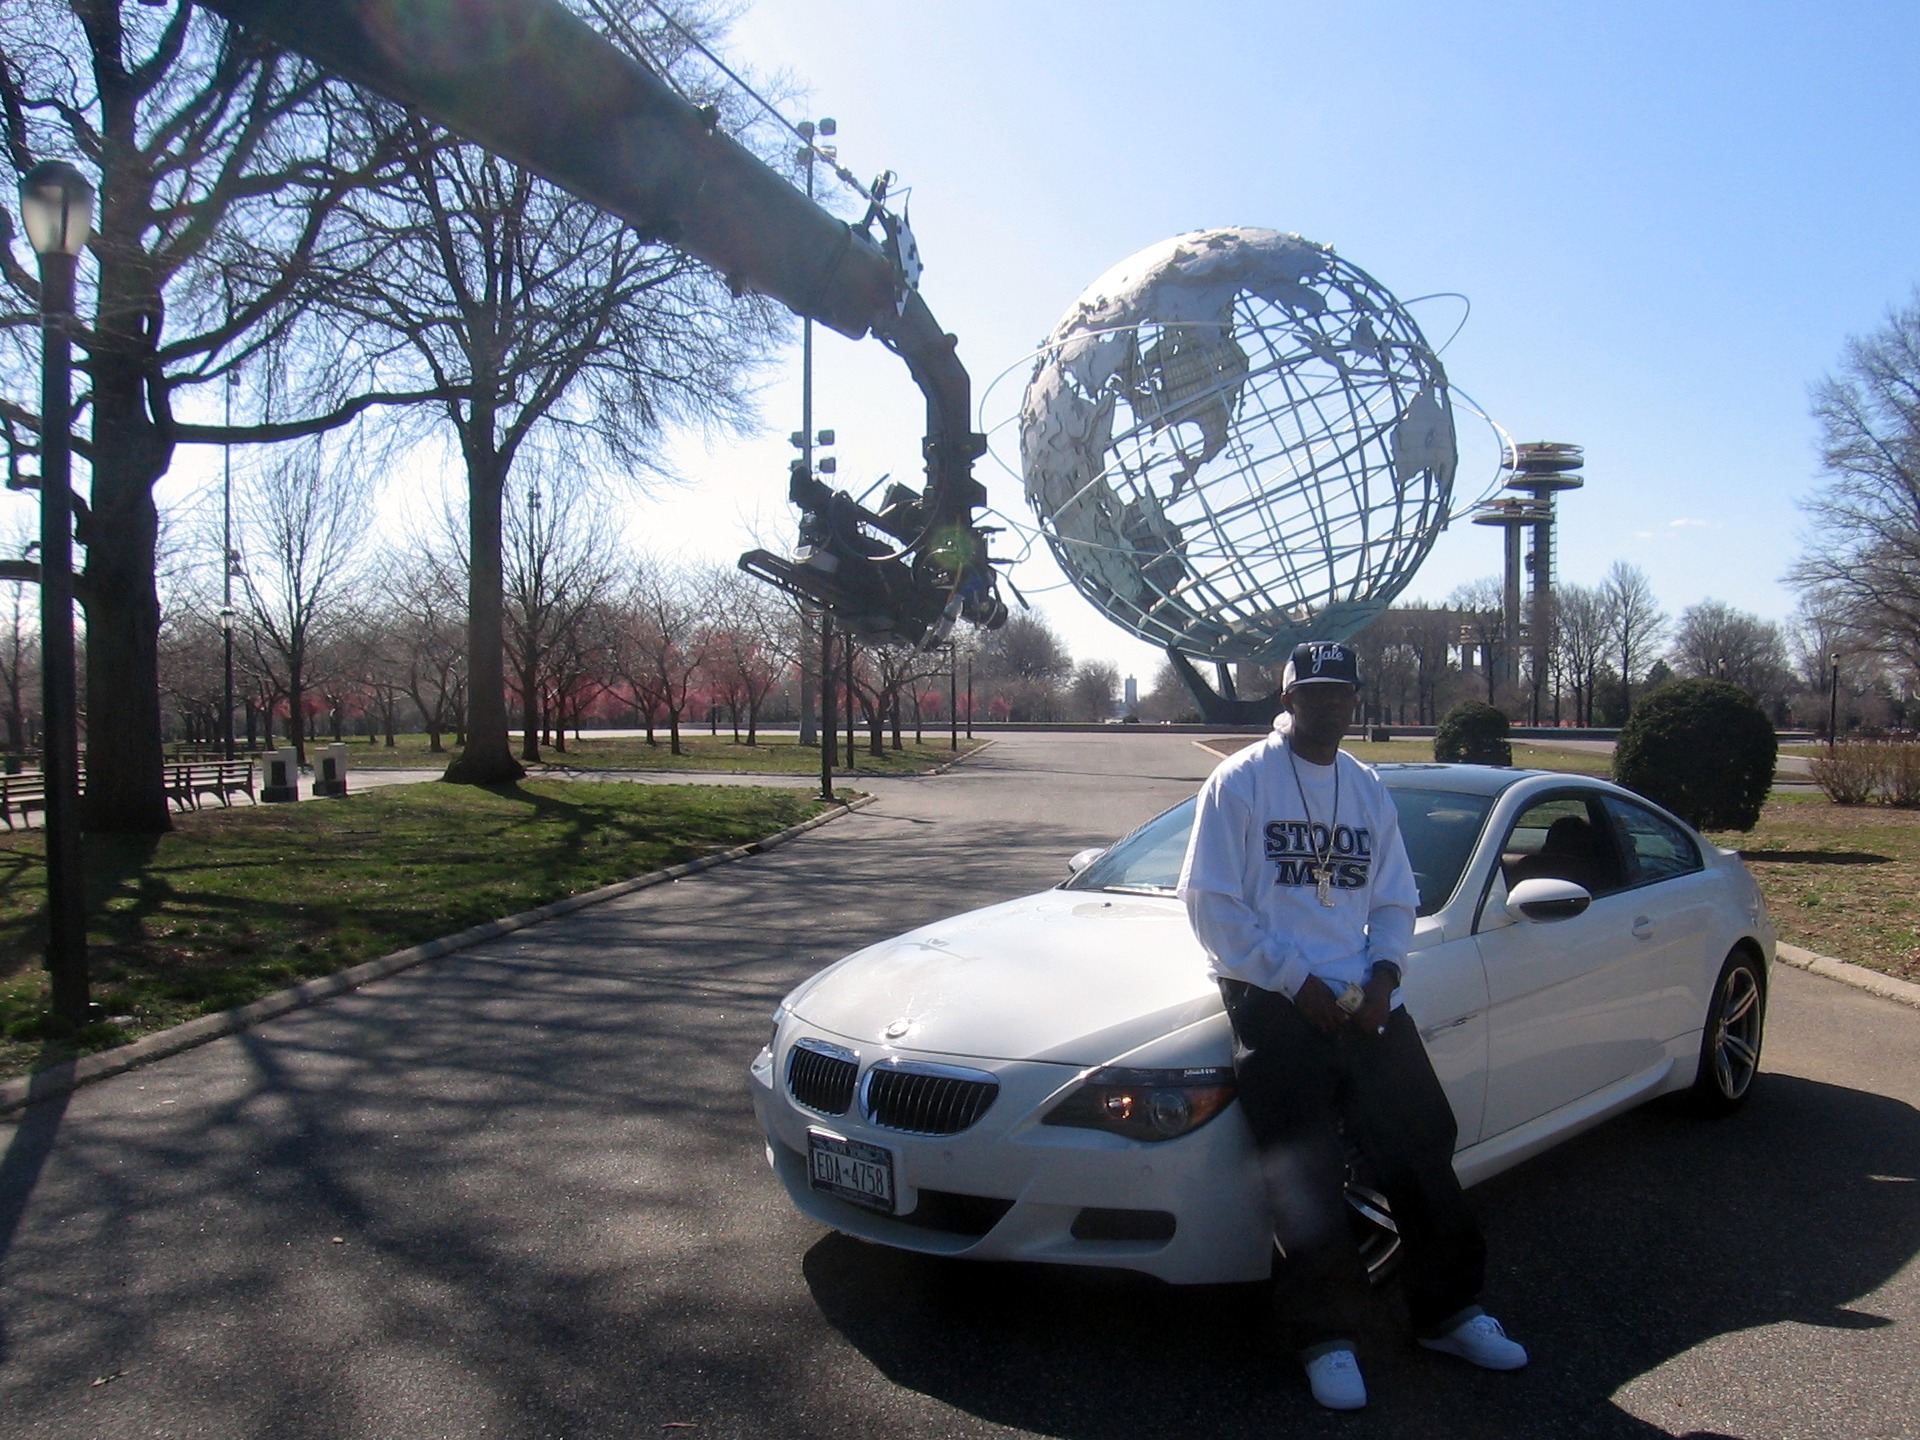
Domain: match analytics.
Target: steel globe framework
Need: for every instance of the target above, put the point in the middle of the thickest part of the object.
(1235, 440)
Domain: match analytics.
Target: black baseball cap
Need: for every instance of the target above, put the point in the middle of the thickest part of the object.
(1320, 662)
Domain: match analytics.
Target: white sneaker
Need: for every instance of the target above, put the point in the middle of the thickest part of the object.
(1480, 1341)
(1335, 1378)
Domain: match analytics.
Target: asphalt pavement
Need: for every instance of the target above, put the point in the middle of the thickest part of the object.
(518, 1192)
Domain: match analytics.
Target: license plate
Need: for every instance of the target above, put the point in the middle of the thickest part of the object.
(851, 1170)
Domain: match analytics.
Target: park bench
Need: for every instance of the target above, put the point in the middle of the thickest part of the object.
(20, 794)
(223, 779)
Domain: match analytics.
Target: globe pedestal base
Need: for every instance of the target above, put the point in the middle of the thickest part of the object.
(1218, 709)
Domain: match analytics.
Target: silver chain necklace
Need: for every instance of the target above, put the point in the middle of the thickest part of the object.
(1322, 868)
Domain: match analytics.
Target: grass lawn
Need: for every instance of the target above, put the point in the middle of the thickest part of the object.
(1842, 880)
(774, 755)
(235, 904)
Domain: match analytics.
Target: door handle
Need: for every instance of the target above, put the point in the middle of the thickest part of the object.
(1642, 927)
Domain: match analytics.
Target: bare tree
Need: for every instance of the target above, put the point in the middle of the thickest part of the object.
(1482, 607)
(299, 535)
(752, 637)
(557, 569)
(668, 630)
(221, 165)
(19, 641)
(423, 586)
(1092, 690)
(1025, 664)
(1581, 641)
(1635, 622)
(1863, 553)
(1715, 641)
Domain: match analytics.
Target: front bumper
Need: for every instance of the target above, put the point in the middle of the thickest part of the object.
(1190, 1211)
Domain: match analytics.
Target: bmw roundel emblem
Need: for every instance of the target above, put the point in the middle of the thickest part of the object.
(899, 1028)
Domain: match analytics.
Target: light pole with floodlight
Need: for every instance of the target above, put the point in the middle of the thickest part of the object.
(56, 205)
(805, 440)
(226, 566)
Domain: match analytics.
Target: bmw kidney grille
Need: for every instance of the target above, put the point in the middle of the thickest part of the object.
(820, 1076)
(926, 1099)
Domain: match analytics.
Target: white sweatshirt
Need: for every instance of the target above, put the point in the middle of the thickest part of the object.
(1248, 881)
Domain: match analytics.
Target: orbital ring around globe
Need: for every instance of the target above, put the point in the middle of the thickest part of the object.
(1236, 440)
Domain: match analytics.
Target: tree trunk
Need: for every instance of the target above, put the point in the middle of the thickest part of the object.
(530, 719)
(486, 758)
(126, 781)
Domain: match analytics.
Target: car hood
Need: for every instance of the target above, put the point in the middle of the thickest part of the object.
(1072, 977)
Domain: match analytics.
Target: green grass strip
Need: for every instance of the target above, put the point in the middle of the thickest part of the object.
(774, 755)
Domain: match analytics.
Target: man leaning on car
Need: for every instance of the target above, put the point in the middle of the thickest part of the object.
(1298, 886)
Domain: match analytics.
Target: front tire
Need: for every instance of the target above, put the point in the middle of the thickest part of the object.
(1730, 1039)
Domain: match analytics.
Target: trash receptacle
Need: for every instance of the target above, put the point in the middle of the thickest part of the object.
(330, 770)
(281, 776)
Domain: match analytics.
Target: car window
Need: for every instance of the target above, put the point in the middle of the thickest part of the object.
(1564, 837)
(1657, 849)
(1148, 860)
(1440, 829)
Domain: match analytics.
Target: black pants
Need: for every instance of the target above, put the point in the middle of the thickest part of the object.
(1297, 1087)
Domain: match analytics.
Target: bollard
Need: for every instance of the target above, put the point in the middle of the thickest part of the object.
(330, 770)
(281, 772)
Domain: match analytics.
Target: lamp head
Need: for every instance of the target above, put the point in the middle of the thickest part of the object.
(56, 204)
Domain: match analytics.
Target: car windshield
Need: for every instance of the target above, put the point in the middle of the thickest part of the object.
(1439, 826)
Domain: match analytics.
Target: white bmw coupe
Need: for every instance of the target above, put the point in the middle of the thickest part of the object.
(1049, 1079)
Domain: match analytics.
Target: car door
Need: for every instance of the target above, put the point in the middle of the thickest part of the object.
(1674, 914)
(1568, 1007)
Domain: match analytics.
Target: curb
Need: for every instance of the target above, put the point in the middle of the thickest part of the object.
(72, 1074)
(979, 747)
(1860, 977)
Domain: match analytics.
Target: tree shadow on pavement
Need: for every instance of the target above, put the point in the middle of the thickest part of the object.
(1616, 1253)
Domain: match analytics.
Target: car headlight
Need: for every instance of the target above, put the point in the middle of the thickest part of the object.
(762, 1067)
(1145, 1104)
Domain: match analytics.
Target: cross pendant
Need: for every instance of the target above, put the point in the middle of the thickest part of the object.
(1323, 878)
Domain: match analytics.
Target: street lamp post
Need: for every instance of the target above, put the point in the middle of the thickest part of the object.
(1833, 704)
(56, 204)
(827, 745)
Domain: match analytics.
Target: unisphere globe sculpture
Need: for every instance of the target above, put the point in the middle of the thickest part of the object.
(1235, 441)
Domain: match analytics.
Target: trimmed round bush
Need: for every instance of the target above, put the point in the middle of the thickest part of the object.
(1473, 733)
(1704, 749)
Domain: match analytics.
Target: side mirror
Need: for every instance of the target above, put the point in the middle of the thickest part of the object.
(1545, 899)
(1084, 858)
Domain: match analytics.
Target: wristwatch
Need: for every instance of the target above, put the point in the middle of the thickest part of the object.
(1393, 971)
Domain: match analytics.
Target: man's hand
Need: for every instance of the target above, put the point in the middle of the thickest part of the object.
(1371, 1017)
(1316, 1004)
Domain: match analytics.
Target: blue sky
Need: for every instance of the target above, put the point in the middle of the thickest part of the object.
(1668, 218)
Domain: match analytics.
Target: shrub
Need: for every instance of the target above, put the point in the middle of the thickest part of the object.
(1702, 748)
(1848, 774)
(1900, 775)
(1473, 733)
